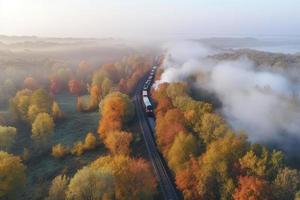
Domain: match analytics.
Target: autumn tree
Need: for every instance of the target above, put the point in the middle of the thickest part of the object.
(59, 151)
(83, 69)
(123, 86)
(74, 87)
(90, 141)
(251, 188)
(188, 104)
(118, 142)
(55, 85)
(78, 148)
(183, 147)
(42, 100)
(112, 72)
(177, 89)
(42, 128)
(106, 86)
(58, 188)
(7, 137)
(30, 83)
(141, 180)
(167, 127)
(61, 74)
(287, 183)
(90, 183)
(12, 175)
(186, 180)
(160, 92)
(163, 105)
(56, 111)
(262, 163)
(20, 103)
(33, 111)
(80, 106)
(212, 127)
(116, 109)
(98, 77)
(95, 97)
(217, 167)
(133, 177)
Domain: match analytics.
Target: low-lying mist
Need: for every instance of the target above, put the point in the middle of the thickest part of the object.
(260, 100)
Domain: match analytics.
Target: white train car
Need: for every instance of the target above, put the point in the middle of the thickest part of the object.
(148, 106)
(145, 93)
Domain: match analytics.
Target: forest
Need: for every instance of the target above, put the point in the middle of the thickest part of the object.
(207, 157)
(66, 125)
(70, 132)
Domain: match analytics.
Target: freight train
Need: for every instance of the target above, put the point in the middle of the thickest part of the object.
(148, 107)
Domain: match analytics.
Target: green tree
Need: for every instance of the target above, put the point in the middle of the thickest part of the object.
(12, 176)
(7, 137)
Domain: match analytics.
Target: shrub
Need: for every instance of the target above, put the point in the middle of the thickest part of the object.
(78, 148)
(59, 151)
(90, 141)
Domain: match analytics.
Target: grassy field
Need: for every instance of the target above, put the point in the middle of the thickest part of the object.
(42, 167)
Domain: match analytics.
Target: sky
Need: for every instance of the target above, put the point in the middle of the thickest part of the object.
(149, 18)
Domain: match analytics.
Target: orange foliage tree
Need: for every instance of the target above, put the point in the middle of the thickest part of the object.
(116, 109)
(118, 142)
(167, 127)
(54, 85)
(252, 188)
(74, 87)
(30, 83)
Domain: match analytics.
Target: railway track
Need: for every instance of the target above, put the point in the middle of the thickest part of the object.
(165, 182)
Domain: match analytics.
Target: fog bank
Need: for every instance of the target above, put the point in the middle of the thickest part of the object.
(258, 99)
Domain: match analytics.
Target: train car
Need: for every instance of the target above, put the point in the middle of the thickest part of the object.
(146, 86)
(148, 106)
(145, 93)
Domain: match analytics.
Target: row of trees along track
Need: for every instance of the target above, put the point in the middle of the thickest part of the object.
(160, 168)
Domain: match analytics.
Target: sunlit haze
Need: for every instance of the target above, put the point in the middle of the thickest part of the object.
(149, 18)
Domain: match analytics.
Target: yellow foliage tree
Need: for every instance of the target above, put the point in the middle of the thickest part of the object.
(12, 173)
(42, 128)
(184, 146)
(7, 137)
(90, 141)
(59, 151)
